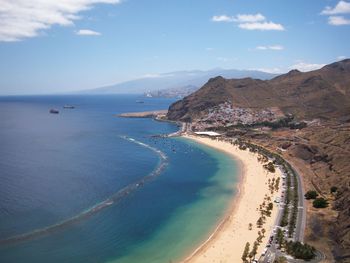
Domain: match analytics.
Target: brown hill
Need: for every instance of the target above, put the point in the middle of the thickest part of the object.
(322, 93)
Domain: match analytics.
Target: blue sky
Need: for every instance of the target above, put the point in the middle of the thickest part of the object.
(60, 46)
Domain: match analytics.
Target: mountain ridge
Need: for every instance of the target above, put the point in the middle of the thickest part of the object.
(174, 80)
(314, 94)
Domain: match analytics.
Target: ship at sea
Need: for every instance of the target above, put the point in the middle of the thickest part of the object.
(54, 111)
(68, 106)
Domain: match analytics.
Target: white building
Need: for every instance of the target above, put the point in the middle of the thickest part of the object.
(208, 133)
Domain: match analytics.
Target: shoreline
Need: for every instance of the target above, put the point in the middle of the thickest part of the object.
(156, 114)
(228, 213)
(226, 243)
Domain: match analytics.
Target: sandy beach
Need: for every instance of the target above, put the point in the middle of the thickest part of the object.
(227, 243)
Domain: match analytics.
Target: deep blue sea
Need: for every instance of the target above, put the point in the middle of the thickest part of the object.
(87, 186)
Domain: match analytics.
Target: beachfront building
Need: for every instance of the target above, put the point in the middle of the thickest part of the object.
(208, 133)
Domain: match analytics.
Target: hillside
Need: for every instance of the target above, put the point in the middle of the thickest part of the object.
(178, 80)
(305, 117)
(322, 93)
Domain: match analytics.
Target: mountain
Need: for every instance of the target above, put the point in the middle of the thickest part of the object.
(179, 92)
(269, 113)
(322, 93)
(175, 80)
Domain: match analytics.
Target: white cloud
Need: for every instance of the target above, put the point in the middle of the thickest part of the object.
(244, 18)
(21, 19)
(338, 21)
(222, 18)
(88, 32)
(263, 26)
(274, 47)
(302, 66)
(342, 7)
(334, 18)
(262, 48)
(249, 21)
(240, 18)
(341, 57)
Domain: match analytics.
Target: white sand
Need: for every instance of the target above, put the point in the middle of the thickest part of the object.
(228, 242)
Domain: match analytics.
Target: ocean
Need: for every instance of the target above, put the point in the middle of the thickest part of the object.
(87, 186)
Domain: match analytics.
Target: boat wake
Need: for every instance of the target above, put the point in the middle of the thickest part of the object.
(115, 198)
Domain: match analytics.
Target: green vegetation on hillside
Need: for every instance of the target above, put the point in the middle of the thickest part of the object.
(320, 203)
(311, 194)
(300, 251)
(334, 189)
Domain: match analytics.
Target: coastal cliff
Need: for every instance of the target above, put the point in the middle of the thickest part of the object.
(303, 116)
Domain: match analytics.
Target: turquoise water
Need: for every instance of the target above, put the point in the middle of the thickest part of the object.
(190, 225)
(85, 186)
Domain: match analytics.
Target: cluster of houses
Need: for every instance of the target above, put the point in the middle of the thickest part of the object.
(225, 115)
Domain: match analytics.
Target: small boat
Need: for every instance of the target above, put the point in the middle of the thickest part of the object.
(68, 106)
(54, 111)
(140, 101)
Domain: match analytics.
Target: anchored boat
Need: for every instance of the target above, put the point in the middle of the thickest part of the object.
(68, 106)
(54, 111)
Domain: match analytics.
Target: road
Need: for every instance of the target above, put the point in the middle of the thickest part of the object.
(273, 252)
(301, 219)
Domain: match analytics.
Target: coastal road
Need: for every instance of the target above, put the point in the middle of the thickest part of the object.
(269, 257)
(301, 223)
(273, 252)
(301, 219)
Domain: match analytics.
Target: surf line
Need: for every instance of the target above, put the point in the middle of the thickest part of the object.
(98, 207)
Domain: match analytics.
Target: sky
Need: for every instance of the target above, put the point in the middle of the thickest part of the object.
(58, 46)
